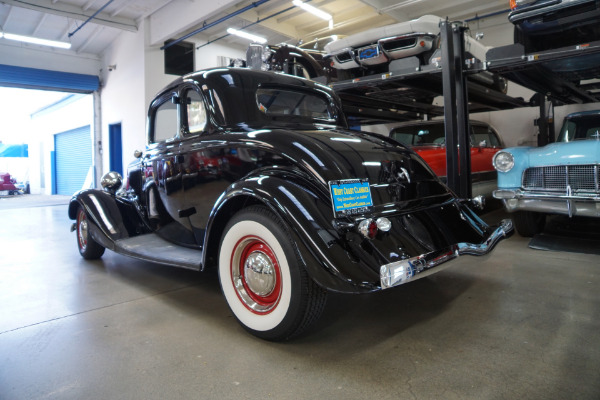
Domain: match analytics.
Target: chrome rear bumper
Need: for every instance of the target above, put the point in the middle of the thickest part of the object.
(400, 272)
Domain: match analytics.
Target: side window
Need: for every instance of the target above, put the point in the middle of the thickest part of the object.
(494, 140)
(166, 123)
(481, 136)
(195, 112)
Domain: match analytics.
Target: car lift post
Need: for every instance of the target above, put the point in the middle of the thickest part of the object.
(456, 111)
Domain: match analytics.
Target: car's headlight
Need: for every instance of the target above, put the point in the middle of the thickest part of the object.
(503, 161)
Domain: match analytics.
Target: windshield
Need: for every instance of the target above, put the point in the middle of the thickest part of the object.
(260, 100)
(586, 127)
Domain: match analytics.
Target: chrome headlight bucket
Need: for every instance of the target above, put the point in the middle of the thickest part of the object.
(503, 161)
(111, 181)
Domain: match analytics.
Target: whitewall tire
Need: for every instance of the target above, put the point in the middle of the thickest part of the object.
(265, 286)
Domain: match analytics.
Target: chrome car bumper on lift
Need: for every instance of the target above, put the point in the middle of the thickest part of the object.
(400, 272)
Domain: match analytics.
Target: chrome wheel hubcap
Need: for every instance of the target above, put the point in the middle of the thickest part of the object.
(259, 273)
(82, 230)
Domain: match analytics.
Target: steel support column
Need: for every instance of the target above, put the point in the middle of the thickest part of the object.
(456, 113)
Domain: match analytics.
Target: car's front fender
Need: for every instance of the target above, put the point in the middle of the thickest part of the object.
(110, 218)
(512, 178)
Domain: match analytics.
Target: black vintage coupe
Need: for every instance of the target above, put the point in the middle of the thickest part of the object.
(256, 174)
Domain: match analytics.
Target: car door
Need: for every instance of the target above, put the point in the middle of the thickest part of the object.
(202, 160)
(162, 164)
(484, 144)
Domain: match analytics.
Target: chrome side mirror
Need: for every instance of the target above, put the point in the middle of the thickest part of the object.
(111, 182)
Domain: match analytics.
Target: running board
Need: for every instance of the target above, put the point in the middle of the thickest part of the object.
(151, 247)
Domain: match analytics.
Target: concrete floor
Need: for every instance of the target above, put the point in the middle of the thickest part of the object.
(524, 324)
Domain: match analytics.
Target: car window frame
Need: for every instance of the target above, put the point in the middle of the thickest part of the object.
(168, 96)
(184, 128)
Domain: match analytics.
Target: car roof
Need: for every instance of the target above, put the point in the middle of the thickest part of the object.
(272, 77)
(583, 114)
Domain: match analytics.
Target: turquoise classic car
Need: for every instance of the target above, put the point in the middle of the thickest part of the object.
(560, 178)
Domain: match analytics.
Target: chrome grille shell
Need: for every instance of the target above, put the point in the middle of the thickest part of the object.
(563, 178)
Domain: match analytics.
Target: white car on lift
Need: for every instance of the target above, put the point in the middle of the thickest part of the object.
(418, 37)
(409, 44)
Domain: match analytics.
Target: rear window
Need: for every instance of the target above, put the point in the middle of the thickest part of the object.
(290, 103)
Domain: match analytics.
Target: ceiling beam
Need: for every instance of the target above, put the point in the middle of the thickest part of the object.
(74, 12)
(89, 39)
(39, 24)
(284, 29)
(8, 15)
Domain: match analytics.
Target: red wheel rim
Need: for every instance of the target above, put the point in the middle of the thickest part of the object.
(256, 275)
(82, 230)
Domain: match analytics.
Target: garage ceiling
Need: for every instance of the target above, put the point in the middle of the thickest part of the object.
(69, 20)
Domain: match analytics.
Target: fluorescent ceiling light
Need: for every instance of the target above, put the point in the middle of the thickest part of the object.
(247, 35)
(29, 39)
(313, 10)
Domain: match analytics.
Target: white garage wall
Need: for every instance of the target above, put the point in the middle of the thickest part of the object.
(139, 75)
(206, 57)
(123, 93)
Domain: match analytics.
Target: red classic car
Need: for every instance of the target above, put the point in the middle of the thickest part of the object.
(7, 184)
(427, 138)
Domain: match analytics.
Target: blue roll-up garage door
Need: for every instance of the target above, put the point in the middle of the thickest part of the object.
(73, 152)
(33, 78)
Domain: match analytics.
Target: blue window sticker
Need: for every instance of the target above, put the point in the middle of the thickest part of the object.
(350, 196)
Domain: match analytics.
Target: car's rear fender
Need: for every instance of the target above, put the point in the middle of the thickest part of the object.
(308, 217)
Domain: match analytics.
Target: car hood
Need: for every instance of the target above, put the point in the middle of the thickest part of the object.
(395, 173)
(569, 153)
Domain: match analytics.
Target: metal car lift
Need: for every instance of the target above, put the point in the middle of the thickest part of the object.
(406, 94)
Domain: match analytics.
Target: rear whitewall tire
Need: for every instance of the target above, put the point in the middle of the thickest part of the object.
(274, 305)
(230, 254)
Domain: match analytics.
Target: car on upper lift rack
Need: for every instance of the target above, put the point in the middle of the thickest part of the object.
(256, 175)
(401, 47)
(546, 24)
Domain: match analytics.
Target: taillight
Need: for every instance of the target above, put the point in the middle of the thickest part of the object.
(513, 4)
(369, 227)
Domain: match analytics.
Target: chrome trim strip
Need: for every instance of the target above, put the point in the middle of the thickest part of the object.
(407, 36)
(519, 194)
(400, 272)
